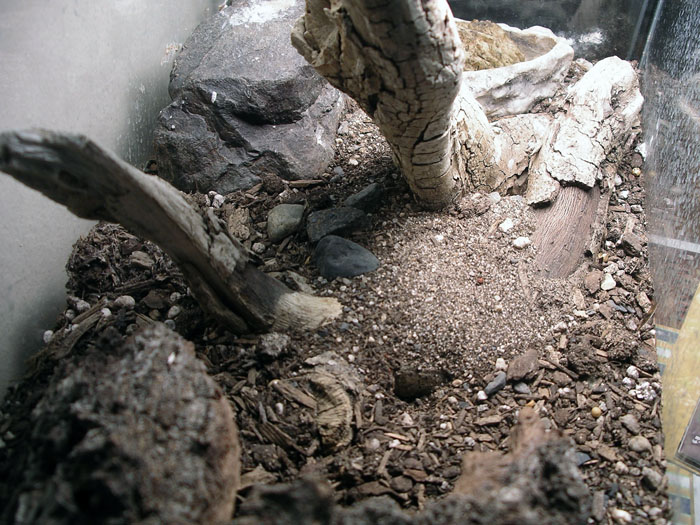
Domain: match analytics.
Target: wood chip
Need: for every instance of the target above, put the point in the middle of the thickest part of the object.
(274, 434)
(292, 393)
(381, 469)
(397, 436)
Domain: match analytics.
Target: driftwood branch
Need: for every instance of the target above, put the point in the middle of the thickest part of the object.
(94, 184)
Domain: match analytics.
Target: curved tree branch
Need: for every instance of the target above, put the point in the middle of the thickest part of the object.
(94, 184)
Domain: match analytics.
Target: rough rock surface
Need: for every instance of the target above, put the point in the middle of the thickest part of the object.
(338, 257)
(334, 221)
(129, 434)
(245, 104)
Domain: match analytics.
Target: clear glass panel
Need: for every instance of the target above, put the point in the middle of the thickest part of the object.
(671, 86)
(596, 28)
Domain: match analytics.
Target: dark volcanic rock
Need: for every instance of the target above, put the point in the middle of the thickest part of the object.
(245, 103)
(338, 257)
(334, 221)
(368, 199)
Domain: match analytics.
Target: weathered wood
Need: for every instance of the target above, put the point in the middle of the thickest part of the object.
(563, 232)
(602, 108)
(401, 60)
(132, 433)
(93, 183)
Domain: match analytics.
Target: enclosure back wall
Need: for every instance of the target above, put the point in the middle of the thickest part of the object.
(99, 68)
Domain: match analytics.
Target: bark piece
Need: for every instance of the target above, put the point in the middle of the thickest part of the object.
(564, 230)
(94, 184)
(334, 414)
(131, 435)
(603, 107)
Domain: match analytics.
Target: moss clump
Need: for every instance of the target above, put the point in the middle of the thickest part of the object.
(487, 45)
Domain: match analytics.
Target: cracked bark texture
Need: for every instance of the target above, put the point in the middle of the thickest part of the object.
(94, 184)
(602, 109)
(401, 60)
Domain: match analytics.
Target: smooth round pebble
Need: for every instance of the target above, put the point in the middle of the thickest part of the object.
(639, 444)
(125, 301)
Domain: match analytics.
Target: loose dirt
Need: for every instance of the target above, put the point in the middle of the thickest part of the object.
(420, 349)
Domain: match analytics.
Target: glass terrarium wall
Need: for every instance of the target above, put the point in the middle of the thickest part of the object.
(98, 68)
(596, 28)
(671, 86)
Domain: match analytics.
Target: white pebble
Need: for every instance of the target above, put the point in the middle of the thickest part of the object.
(481, 395)
(469, 441)
(561, 326)
(373, 444)
(106, 312)
(624, 194)
(174, 312)
(175, 297)
(406, 420)
(620, 515)
(501, 364)
(48, 335)
(452, 400)
(608, 283)
(394, 443)
(279, 409)
(633, 372)
(81, 306)
(69, 315)
(258, 248)
(125, 301)
(522, 242)
(218, 201)
(506, 225)
(621, 468)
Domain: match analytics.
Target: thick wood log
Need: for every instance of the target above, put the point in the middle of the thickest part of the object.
(93, 183)
(402, 62)
(132, 433)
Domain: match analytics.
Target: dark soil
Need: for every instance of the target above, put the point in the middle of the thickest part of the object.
(452, 304)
